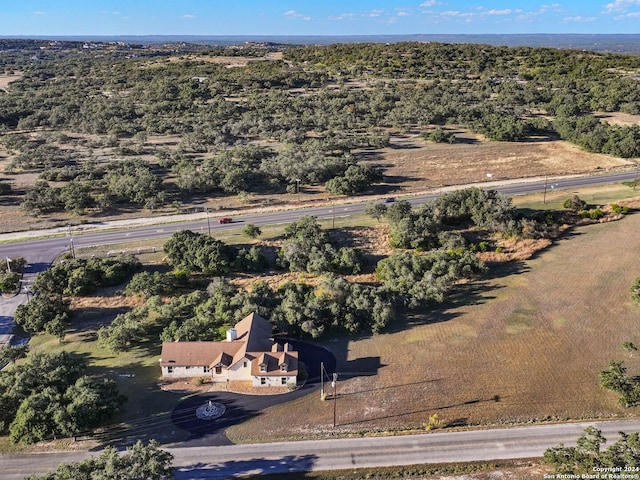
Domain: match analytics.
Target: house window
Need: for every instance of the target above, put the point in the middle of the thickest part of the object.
(206, 369)
(218, 370)
(244, 364)
(283, 367)
(263, 381)
(169, 369)
(283, 380)
(263, 368)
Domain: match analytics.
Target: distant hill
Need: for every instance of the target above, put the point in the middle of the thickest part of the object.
(618, 43)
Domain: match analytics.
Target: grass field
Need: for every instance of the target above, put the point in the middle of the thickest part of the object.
(525, 345)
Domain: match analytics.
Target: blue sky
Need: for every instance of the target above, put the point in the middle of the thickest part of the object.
(329, 17)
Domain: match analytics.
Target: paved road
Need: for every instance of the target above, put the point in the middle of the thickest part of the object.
(439, 447)
(41, 252)
(48, 248)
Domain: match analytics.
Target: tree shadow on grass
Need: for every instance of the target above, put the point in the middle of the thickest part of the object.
(429, 410)
(389, 387)
(503, 269)
(88, 319)
(254, 468)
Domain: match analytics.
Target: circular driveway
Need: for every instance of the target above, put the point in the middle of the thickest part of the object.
(242, 407)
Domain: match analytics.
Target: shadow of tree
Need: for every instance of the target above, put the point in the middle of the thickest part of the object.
(430, 410)
(254, 468)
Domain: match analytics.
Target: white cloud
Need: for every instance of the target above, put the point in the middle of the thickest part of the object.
(39, 12)
(343, 16)
(297, 16)
(620, 5)
(430, 3)
(579, 19)
(188, 15)
(506, 11)
(627, 16)
(374, 13)
(402, 14)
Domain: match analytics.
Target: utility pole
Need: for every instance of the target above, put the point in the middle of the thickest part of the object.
(544, 197)
(8, 265)
(208, 221)
(321, 380)
(334, 384)
(635, 182)
(71, 249)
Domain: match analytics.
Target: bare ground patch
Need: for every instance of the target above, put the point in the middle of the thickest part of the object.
(619, 118)
(413, 164)
(6, 79)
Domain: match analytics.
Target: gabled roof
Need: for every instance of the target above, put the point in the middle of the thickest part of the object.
(253, 338)
(195, 354)
(256, 332)
(273, 361)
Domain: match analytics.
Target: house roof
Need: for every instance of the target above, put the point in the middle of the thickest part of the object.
(273, 362)
(196, 354)
(256, 332)
(252, 342)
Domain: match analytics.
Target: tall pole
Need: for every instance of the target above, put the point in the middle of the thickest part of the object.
(334, 384)
(208, 222)
(321, 380)
(8, 265)
(635, 182)
(71, 249)
(544, 197)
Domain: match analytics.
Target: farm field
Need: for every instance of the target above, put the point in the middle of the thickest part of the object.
(523, 346)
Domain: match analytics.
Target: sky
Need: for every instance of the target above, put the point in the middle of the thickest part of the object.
(320, 17)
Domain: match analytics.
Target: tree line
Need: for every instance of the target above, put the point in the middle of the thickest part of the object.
(507, 94)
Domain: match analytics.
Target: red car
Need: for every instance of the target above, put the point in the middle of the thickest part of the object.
(225, 220)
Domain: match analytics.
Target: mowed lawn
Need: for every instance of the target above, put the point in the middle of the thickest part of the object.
(523, 346)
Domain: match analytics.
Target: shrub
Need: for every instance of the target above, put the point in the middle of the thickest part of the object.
(9, 281)
(635, 290)
(619, 209)
(150, 284)
(439, 135)
(596, 213)
(575, 203)
(434, 423)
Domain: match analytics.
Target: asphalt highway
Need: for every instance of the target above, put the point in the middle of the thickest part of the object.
(223, 462)
(46, 249)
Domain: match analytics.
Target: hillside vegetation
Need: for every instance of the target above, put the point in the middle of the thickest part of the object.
(106, 129)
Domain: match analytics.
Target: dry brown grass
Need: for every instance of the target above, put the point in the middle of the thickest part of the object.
(523, 346)
(619, 118)
(6, 79)
(417, 164)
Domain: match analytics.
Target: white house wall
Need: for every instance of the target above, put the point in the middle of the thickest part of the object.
(239, 372)
(184, 372)
(273, 381)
